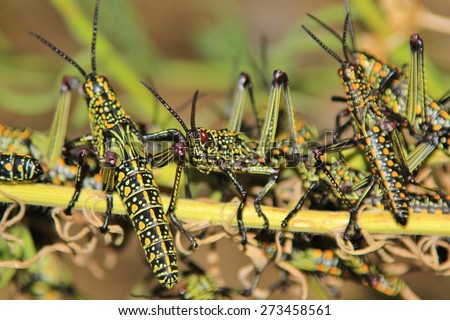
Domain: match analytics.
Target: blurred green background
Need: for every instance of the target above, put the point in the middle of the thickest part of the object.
(182, 46)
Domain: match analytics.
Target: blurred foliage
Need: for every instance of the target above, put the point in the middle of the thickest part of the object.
(221, 42)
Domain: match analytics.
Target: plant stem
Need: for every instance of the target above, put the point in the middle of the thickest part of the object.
(219, 213)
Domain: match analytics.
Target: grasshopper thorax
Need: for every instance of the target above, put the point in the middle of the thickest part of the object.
(99, 92)
(97, 84)
(355, 85)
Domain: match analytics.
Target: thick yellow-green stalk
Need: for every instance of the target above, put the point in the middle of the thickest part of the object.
(219, 213)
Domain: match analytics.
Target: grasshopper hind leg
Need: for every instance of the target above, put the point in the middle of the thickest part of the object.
(258, 199)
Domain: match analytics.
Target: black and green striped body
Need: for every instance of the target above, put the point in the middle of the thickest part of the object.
(384, 165)
(16, 163)
(118, 147)
(140, 195)
(208, 150)
(114, 132)
(19, 168)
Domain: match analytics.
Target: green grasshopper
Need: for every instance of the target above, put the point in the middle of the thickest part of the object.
(222, 151)
(117, 144)
(378, 139)
(226, 151)
(346, 184)
(403, 95)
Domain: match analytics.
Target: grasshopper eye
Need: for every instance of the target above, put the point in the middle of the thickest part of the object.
(204, 136)
(354, 67)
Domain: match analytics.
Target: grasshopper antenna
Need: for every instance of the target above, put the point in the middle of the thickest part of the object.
(327, 49)
(194, 104)
(166, 105)
(94, 36)
(58, 52)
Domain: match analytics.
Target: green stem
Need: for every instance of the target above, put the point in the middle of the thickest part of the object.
(322, 222)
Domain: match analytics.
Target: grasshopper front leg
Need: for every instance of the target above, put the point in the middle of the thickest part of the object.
(80, 176)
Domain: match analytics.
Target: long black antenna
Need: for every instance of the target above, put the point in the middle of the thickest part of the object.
(58, 51)
(325, 26)
(194, 104)
(65, 56)
(94, 36)
(328, 50)
(166, 105)
(350, 27)
(344, 37)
